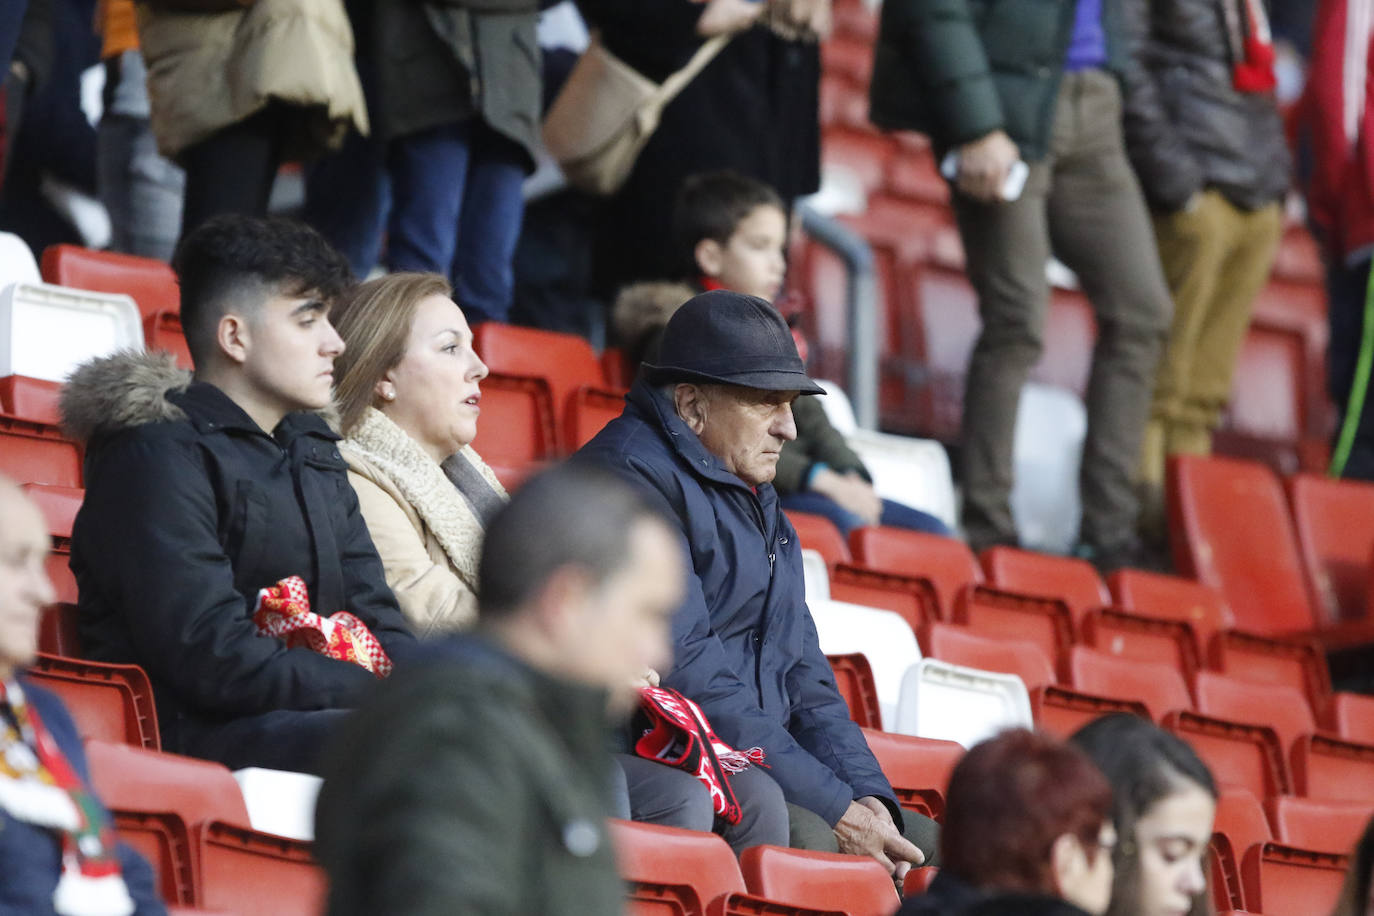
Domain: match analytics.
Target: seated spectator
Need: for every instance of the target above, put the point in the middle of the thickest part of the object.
(1165, 801)
(409, 389)
(1028, 829)
(1354, 899)
(701, 431)
(731, 233)
(409, 394)
(477, 783)
(203, 491)
(58, 850)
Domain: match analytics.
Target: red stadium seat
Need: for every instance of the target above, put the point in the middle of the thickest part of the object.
(1146, 639)
(1046, 622)
(941, 326)
(1352, 716)
(1328, 767)
(848, 57)
(108, 702)
(858, 885)
(151, 283)
(1236, 536)
(59, 506)
(616, 369)
(1173, 598)
(854, 679)
(917, 768)
(865, 154)
(567, 362)
(1073, 581)
(588, 411)
(1264, 419)
(32, 399)
(1284, 709)
(37, 453)
(1070, 335)
(1061, 711)
(1319, 824)
(914, 174)
(1159, 686)
(1248, 756)
(1239, 825)
(815, 532)
(57, 632)
(1282, 881)
(1334, 522)
(960, 646)
(245, 871)
(910, 596)
(1294, 662)
(946, 562)
(163, 331)
(516, 427)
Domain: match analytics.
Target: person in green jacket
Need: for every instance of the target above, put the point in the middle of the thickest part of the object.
(994, 83)
(480, 782)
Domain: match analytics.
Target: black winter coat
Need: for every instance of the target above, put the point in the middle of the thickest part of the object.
(753, 109)
(1187, 128)
(745, 646)
(190, 509)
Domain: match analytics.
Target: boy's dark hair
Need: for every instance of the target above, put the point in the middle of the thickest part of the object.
(711, 205)
(575, 514)
(237, 262)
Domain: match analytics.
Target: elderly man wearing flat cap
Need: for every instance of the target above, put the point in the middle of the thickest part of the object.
(702, 429)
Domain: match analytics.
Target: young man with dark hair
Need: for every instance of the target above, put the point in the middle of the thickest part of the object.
(479, 783)
(203, 490)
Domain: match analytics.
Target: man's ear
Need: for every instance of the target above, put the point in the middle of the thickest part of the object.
(1068, 861)
(691, 405)
(233, 338)
(558, 603)
(710, 257)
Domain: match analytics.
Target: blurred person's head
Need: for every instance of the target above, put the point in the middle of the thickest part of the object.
(580, 576)
(1355, 899)
(1029, 813)
(24, 584)
(255, 301)
(728, 364)
(732, 230)
(409, 354)
(1165, 802)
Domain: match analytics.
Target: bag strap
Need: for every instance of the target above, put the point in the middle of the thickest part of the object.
(679, 80)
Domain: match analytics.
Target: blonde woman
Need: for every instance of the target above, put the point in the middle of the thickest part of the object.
(409, 394)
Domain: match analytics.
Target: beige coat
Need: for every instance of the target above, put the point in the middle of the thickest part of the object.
(428, 538)
(207, 71)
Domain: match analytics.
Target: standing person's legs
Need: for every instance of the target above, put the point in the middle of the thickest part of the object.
(489, 227)
(428, 170)
(1007, 247)
(347, 198)
(1101, 230)
(232, 171)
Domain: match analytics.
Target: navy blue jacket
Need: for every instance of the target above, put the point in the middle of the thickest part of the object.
(745, 645)
(31, 857)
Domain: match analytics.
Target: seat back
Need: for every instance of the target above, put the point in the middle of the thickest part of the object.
(1282, 880)
(57, 630)
(858, 885)
(517, 422)
(911, 597)
(1325, 767)
(1074, 581)
(37, 453)
(565, 361)
(940, 700)
(107, 702)
(1159, 686)
(815, 532)
(1353, 716)
(244, 871)
(1046, 622)
(854, 680)
(1334, 522)
(882, 636)
(46, 331)
(137, 779)
(1237, 536)
(587, 412)
(946, 562)
(1146, 639)
(1282, 708)
(671, 870)
(163, 331)
(918, 769)
(959, 646)
(1061, 711)
(1292, 662)
(59, 506)
(31, 399)
(1319, 824)
(1248, 756)
(1173, 598)
(150, 282)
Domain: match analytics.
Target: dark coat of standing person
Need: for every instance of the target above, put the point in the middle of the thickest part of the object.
(479, 781)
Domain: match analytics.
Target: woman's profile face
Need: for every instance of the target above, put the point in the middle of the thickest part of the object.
(1171, 839)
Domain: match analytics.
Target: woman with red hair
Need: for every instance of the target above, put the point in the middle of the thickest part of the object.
(1028, 830)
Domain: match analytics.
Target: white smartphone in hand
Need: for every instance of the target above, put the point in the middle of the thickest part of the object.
(1012, 187)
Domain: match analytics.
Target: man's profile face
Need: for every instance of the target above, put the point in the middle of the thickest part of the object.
(746, 428)
(292, 350)
(624, 625)
(24, 584)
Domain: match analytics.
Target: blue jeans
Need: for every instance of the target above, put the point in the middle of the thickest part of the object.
(894, 515)
(456, 210)
(347, 198)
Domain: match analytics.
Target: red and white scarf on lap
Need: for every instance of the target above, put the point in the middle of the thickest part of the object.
(284, 611)
(674, 731)
(38, 786)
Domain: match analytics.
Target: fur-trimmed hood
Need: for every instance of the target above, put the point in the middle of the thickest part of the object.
(641, 309)
(126, 389)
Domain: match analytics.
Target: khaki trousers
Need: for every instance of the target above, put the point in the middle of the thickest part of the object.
(1083, 203)
(1216, 259)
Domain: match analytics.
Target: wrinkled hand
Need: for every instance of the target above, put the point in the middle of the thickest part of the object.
(984, 164)
(850, 492)
(725, 17)
(866, 829)
(648, 679)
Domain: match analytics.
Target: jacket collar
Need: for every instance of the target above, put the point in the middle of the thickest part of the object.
(658, 410)
(209, 410)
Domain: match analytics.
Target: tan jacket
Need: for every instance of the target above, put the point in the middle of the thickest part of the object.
(428, 538)
(207, 71)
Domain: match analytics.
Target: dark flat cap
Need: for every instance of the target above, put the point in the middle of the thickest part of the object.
(731, 339)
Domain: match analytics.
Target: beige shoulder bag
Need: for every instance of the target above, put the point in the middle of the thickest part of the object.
(607, 111)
